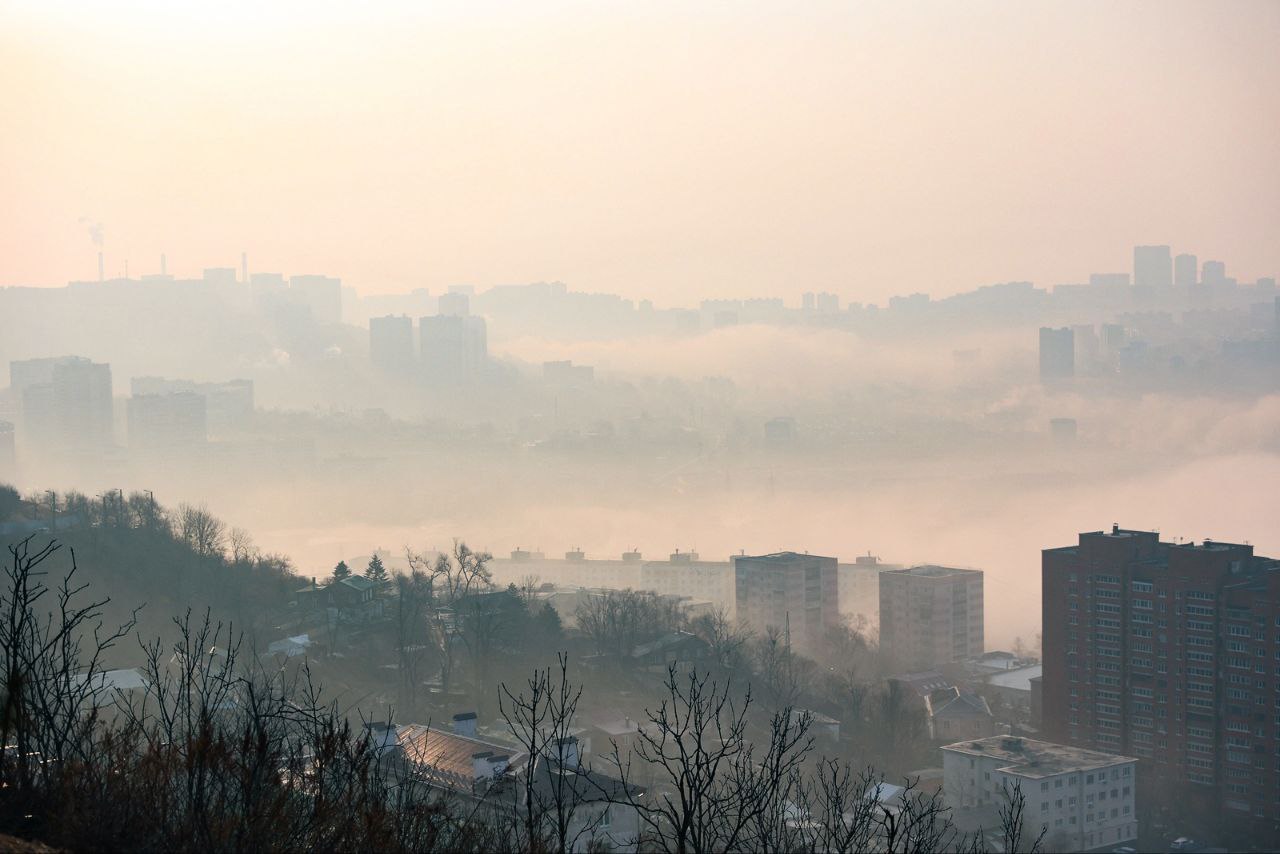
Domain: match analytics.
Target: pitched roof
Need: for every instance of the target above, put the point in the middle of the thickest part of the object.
(444, 757)
(960, 705)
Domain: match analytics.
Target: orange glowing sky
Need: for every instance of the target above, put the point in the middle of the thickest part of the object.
(672, 150)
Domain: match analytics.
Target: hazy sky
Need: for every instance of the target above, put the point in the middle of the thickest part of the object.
(673, 150)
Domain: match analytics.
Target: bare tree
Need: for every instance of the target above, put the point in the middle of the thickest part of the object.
(203, 532)
(711, 785)
(450, 578)
(53, 688)
(1013, 831)
(242, 548)
(617, 620)
(542, 722)
(728, 643)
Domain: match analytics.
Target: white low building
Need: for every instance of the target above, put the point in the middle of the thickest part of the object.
(1083, 798)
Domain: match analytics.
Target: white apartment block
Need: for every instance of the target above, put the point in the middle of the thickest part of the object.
(1083, 798)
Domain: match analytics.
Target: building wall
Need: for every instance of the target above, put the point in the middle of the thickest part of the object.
(391, 343)
(1170, 653)
(1074, 805)
(930, 616)
(788, 592)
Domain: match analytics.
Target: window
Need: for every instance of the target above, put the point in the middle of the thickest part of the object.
(1044, 787)
(604, 818)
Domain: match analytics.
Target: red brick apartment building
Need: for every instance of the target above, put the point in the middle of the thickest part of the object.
(1170, 653)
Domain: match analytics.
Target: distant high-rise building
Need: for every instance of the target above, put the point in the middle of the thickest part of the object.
(1169, 652)
(1185, 271)
(930, 616)
(780, 431)
(228, 405)
(1213, 274)
(1063, 430)
(168, 421)
(454, 349)
(1109, 280)
(1113, 337)
(8, 453)
(219, 275)
(454, 304)
(1152, 267)
(322, 294)
(797, 595)
(66, 402)
(391, 343)
(1057, 353)
(268, 289)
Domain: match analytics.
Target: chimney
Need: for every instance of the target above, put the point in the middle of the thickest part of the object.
(464, 724)
(480, 768)
(498, 765)
(101, 275)
(567, 752)
(383, 735)
(164, 265)
(244, 268)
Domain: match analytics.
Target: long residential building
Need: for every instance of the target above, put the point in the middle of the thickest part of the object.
(1169, 652)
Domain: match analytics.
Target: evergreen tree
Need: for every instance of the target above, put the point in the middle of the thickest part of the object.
(375, 571)
(341, 571)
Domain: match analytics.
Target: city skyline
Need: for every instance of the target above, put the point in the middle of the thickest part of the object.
(567, 144)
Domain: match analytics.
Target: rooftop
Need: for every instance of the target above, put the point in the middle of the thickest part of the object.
(931, 571)
(445, 757)
(1028, 757)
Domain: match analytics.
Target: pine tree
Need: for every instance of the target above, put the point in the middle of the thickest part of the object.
(375, 571)
(341, 571)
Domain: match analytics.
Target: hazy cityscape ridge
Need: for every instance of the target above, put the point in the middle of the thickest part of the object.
(522, 427)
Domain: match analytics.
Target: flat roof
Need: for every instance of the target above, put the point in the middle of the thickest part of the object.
(933, 571)
(1028, 757)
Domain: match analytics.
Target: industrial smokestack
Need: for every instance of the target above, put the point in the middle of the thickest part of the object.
(101, 275)
(164, 265)
(244, 268)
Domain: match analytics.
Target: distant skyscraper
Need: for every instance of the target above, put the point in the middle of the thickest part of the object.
(454, 304)
(66, 402)
(795, 594)
(1214, 274)
(1113, 337)
(167, 421)
(1057, 353)
(1185, 270)
(8, 453)
(931, 616)
(454, 349)
(228, 405)
(1152, 267)
(391, 343)
(322, 294)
